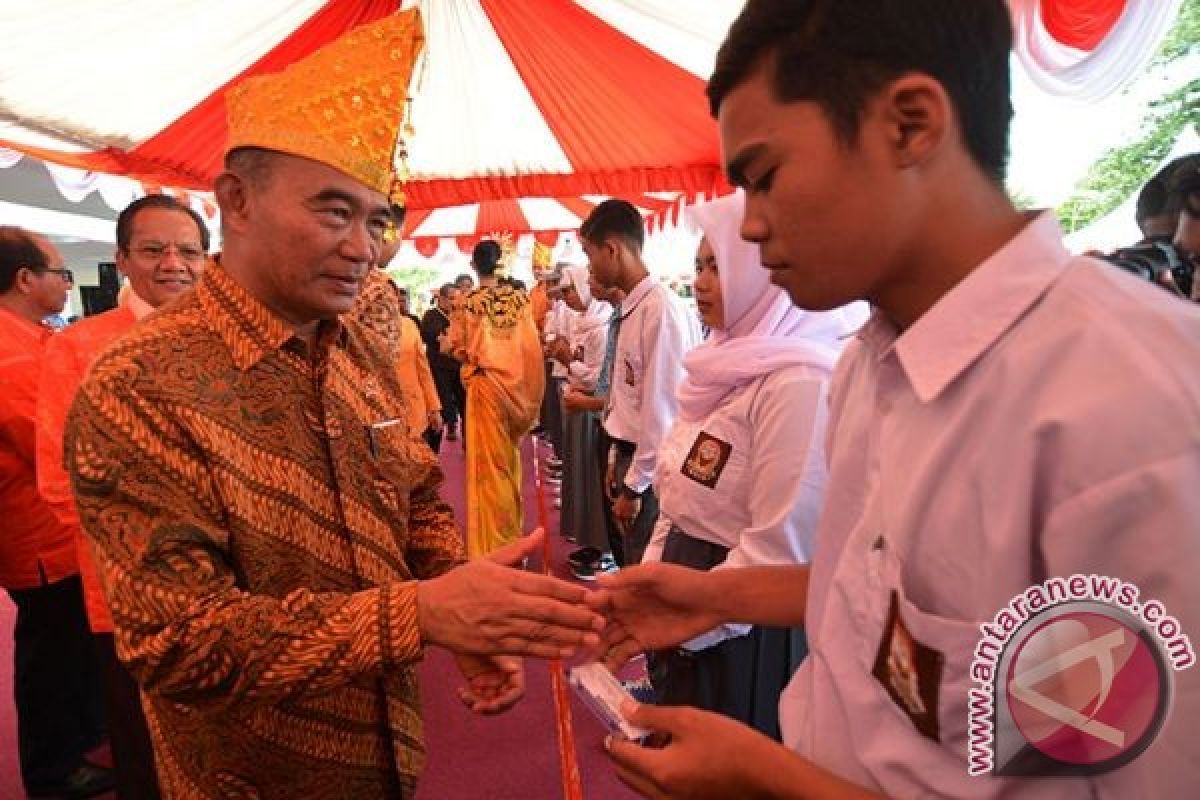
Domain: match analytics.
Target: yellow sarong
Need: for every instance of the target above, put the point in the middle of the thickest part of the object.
(504, 378)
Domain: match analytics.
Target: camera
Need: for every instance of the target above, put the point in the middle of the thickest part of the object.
(1154, 259)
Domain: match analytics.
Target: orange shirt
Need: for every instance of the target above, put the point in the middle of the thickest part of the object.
(68, 356)
(539, 303)
(416, 379)
(259, 541)
(35, 546)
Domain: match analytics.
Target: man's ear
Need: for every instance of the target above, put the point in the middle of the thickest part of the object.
(918, 118)
(233, 198)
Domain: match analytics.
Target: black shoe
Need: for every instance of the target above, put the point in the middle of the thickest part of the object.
(87, 780)
(584, 555)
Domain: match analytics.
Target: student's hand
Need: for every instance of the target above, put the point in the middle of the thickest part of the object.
(651, 607)
(574, 401)
(707, 755)
(494, 683)
(625, 510)
(486, 608)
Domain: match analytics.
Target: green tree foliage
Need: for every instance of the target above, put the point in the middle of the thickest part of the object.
(1123, 170)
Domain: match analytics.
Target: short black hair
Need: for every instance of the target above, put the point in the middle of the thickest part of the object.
(463, 277)
(837, 53)
(485, 258)
(446, 289)
(254, 164)
(18, 249)
(1151, 201)
(517, 283)
(1181, 177)
(160, 201)
(615, 217)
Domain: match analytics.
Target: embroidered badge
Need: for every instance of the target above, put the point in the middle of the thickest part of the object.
(630, 374)
(706, 460)
(909, 672)
(578, 354)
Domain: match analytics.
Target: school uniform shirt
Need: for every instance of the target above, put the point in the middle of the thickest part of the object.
(558, 325)
(587, 348)
(749, 477)
(36, 548)
(657, 330)
(1041, 420)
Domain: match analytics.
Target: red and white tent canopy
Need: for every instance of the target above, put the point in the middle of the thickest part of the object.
(514, 99)
(554, 100)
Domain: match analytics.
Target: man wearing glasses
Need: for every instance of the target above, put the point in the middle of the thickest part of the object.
(59, 716)
(162, 246)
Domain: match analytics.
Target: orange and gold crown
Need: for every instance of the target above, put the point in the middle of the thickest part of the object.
(341, 106)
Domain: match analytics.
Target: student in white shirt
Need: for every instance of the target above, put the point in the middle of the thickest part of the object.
(656, 331)
(583, 508)
(1011, 415)
(741, 475)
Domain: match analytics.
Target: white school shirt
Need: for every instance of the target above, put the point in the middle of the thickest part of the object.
(588, 347)
(657, 330)
(558, 323)
(761, 497)
(1041, 420)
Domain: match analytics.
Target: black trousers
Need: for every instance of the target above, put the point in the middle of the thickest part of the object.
(60, 713)
(453, 396)
(129, 738)
(638, 535)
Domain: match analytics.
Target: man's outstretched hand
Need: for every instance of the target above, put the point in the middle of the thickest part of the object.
(494, 683)
(650, 607)
(485, 608)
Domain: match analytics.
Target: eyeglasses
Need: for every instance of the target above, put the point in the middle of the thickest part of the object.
(191, 253)
(66, 274)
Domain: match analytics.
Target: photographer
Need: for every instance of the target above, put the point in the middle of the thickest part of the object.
(1184, 194)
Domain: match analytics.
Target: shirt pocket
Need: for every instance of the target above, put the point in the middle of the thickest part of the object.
(955, 640)
(629, 378)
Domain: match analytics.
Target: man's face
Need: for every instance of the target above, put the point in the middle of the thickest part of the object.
(464, 284)
(826, 214)
(164, 257)
(602, 261)
(447, 299)
(312, 233)
(49, 288)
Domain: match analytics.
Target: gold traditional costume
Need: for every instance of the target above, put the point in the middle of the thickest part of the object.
(504, 377)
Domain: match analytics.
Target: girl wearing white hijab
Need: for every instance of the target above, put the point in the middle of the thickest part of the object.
(583, 509)
(742, 473)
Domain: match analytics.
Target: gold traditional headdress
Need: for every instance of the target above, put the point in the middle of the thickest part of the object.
(342, 105)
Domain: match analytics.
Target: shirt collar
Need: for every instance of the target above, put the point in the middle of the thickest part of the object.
(35, 331)
(635, 297)
(247, 327)
(969, 319)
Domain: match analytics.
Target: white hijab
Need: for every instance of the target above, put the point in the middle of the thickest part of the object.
(596, 312)
(763, 331)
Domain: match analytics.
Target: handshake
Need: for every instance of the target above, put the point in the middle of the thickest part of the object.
(490, 615)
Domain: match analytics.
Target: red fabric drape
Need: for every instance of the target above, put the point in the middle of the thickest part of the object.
(1082, 24)
(426, 247)
(501, 215)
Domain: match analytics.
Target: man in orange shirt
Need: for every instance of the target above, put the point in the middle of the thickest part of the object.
(59, 714)
(416, 378)
(162, 245)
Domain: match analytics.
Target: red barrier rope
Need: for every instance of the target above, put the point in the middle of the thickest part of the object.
(568, 761)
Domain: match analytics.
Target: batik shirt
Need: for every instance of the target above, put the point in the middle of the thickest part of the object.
(259, 512)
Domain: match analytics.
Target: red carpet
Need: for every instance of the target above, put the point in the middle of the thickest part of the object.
(510, 757)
